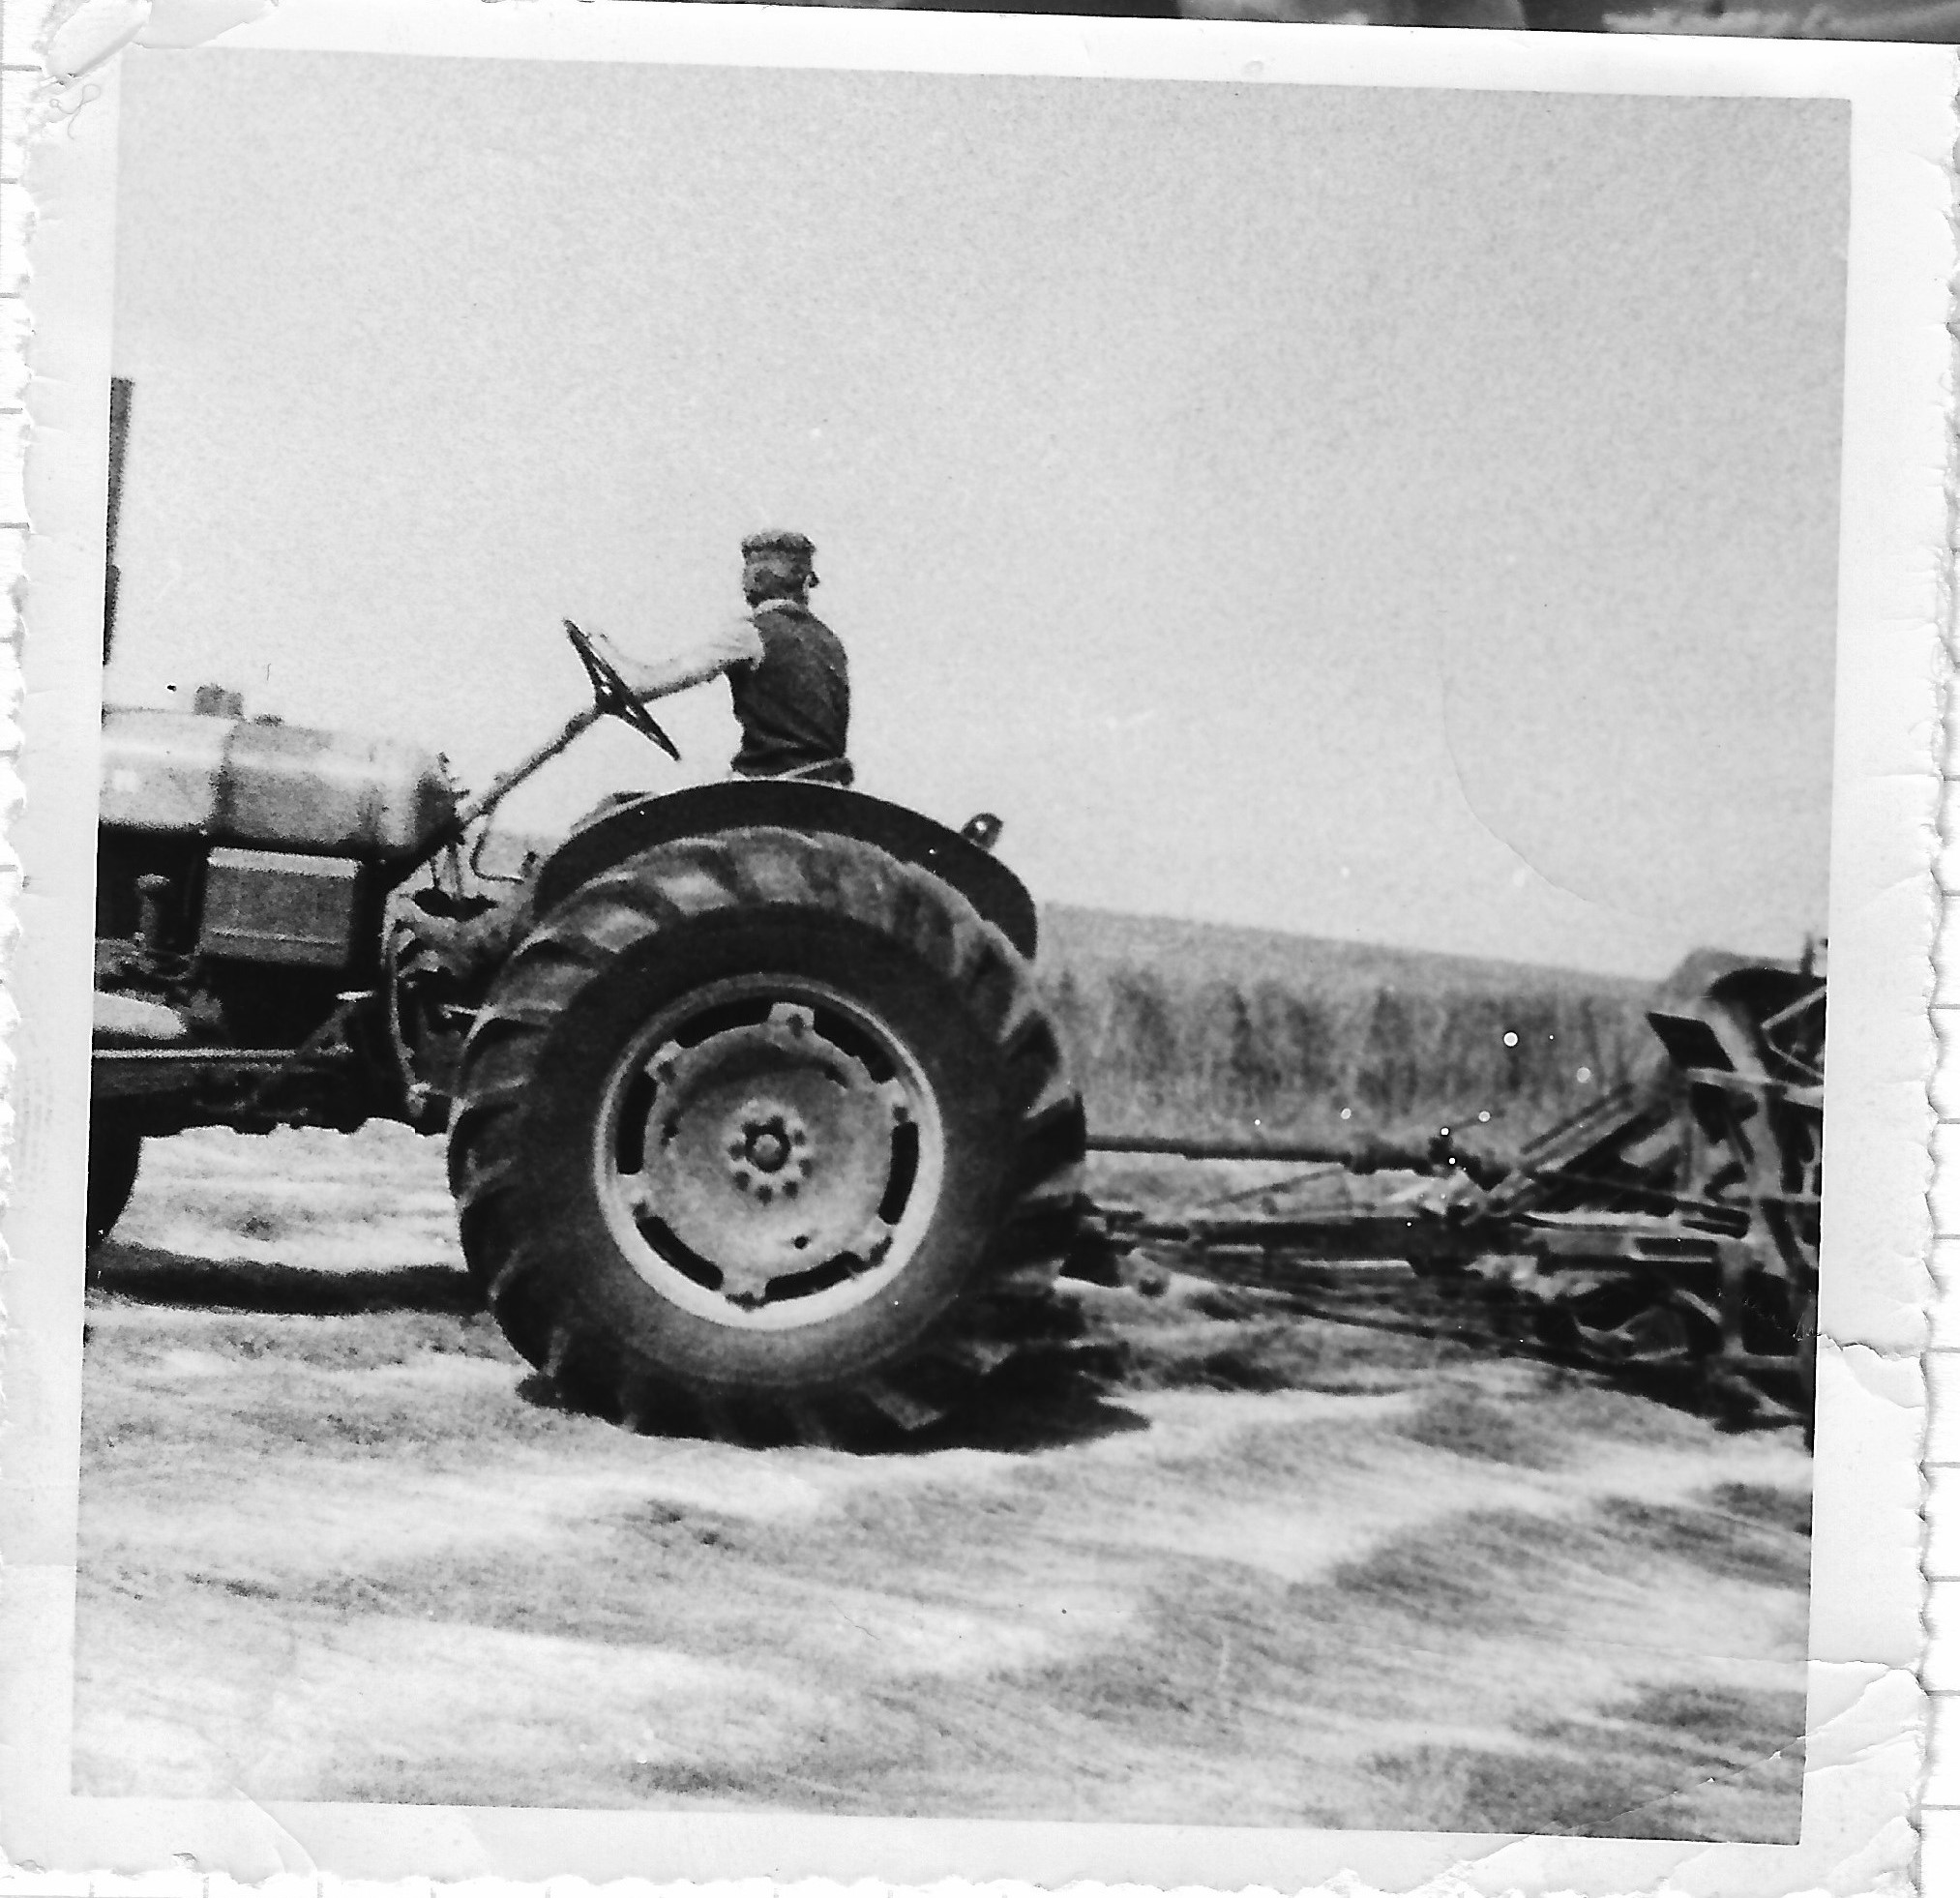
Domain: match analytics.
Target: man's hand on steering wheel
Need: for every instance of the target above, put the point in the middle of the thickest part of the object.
(611, 693)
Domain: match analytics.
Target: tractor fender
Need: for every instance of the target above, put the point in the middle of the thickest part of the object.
(624, 829)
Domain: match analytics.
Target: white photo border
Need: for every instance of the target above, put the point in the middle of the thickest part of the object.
(1867, 1710)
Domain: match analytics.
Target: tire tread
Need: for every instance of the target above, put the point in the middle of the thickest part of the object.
(621, 913)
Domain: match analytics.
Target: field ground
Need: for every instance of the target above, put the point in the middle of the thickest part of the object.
(336, 1546)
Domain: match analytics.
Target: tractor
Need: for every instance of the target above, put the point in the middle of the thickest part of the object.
(757, 1126)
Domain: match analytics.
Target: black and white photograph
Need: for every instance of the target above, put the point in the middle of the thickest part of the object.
(961, 932)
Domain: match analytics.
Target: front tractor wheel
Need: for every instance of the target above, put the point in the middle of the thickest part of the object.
(115, 1153)
(766, 1136)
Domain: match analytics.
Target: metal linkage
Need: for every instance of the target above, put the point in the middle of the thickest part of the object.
(1672, 1224)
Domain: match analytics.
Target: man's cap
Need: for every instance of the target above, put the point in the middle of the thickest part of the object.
(780, 540)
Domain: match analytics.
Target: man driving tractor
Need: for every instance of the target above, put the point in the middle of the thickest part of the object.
(790, 685)
(786, 671)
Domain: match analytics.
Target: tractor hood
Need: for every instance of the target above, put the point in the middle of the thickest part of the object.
(277, 787)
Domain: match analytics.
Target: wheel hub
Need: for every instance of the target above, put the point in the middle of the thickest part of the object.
(769, 1158)
(770, 1150)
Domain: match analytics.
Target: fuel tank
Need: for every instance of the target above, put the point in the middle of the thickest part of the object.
(280, 786)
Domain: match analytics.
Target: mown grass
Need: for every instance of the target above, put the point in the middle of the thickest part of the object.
(1274, 1572)
(1717, 1539)
(1193, 1029)
(1468, 1422)
(1138, 1614)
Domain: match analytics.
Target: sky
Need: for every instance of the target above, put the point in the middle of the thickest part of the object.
(1405, 517)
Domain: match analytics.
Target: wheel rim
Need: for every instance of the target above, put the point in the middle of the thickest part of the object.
(769, 1154)
(1631, 1322)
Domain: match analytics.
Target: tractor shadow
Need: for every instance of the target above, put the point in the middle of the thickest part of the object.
(145, 1275)
(1043, 1401)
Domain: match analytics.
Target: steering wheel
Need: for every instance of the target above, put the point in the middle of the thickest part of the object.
(612, 697)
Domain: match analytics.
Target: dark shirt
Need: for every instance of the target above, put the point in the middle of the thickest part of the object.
(793, 703)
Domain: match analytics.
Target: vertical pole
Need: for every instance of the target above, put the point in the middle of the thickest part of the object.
(120, 388)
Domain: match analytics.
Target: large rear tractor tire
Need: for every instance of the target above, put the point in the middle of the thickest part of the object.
(766, 1136)
(114, 1155)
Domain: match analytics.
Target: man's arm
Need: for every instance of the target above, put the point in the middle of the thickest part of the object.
(737, 643)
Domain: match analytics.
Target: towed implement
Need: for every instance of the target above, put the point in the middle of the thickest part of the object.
(1671, 1226)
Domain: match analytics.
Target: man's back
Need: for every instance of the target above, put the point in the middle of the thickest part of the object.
(786, 669)
(793, 703)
